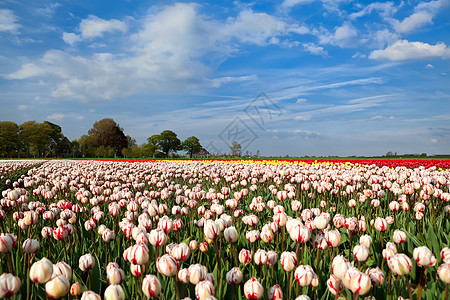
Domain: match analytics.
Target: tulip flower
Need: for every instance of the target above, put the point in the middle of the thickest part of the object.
(114, 292)
(361, 252)
(204, 290)
(57, 287)
(376, 276)
(443, 272)
(30, 246)
(167, 265)
(7, 242)
(253, 289)
(41, 271)
(424, 257)
(231, 234)
(304, 275)
(151, 287)
(181, 252)
(400, 264)
(86, 262)
(9, 285)
(234, 276)
(76, 289)
(197, 273)
(275, 293)
(334, 284)
(288, 261)
(62, 268)
(90, 295)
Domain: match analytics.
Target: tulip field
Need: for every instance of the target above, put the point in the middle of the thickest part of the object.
(236, 229)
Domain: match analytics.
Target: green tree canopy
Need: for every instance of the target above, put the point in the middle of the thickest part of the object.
(166, 142)
(9, 138)
(191, 145)
(236, 149)
(108, 134)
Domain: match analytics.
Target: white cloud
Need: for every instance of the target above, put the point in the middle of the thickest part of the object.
(94, 27)
(301, 100)
(423, 15)
(434, 140)
(291, 3)
(56, 117)
(405, 50)
(23, 107)
(303, 118)
(314, 49)
(345, 36)
(429, 66)
(174, 50)
(218, 82)
(8, 21)
(386, 10)
(414, 22)
(71, 38)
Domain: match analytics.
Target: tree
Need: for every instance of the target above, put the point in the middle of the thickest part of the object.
(35, 138)
(108, 134)
(191, 145)
(9, 138)
(152, 146)
(167, 141)
(236, 149)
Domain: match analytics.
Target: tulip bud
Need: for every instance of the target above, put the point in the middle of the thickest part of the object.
(9, 285)
(86, 262)
(361, 252)
(90, 295)
(444, 272)
(57, 287)
(41, 271)
(288, 261)
(167, 265)
(253, 289)
(445, 255)
(7, 242)
(380, 224)
(365, 240)
(76, 289)
(334, 284)
(30, 246)
(275, 293)
(193, 245)
(304, 275)
(339, 266)
(151, 286)
(376, 276)
(231, 234)
(245, 256)
(62, 268)
(114, 292)
(181, 252)
(333, 238)
(204, 247)
(234, 276)
(399, 236)
(400, 264)
(115, 276)
(197, 273)
(424, 257)
(157, 237)
(204, 290)
(360, 284)
(260, 257)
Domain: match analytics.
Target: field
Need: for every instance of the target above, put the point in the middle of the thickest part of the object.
(225, 229)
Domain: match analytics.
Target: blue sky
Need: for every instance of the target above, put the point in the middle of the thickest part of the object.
(299, 77)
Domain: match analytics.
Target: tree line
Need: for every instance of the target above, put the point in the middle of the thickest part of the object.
(105, 139)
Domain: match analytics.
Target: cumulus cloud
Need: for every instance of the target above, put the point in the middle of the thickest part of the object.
(314, 49)
(94, 27)
(345, 36)
(22, 106)
(174, 50)
(414, 21)
(8, 21)
(56, 117)
(423, 15)
(404, 50)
